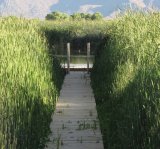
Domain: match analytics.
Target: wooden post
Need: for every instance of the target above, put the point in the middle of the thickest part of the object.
(68, 57)
(88, 55)
(61, 46)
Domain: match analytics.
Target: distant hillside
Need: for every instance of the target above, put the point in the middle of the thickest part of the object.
(26, 8)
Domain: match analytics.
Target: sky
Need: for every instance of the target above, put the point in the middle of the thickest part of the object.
(39, 8)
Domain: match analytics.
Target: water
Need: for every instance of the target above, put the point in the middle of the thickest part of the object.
(79, 61)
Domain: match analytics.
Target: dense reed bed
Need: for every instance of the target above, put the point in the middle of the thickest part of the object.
(126, 82)
(29, 84)
(125, 78)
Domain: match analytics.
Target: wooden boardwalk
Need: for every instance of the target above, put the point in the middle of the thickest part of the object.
(75, 124)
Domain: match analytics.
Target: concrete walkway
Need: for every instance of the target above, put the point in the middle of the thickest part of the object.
(75, 124)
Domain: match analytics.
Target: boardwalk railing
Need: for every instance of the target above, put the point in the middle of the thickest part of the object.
(70, 62)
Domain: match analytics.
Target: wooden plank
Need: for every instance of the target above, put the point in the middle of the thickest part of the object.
(68, 56)
(74, 56)
(75, 123)
(88, 55)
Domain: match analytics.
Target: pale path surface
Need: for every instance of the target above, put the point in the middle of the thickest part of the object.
(75, 124)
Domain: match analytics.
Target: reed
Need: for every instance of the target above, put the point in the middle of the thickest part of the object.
(126, 79)
(29, 84)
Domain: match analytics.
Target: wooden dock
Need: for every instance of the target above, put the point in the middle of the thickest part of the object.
(75, 124)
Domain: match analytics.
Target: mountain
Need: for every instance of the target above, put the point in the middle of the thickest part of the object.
(26, 8)
(39, 8)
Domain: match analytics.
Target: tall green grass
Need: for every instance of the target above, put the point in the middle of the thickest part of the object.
(125, 78)
(126, 82)
(29, 84)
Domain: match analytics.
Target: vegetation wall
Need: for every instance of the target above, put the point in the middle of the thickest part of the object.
(126, 82)
(30, 81)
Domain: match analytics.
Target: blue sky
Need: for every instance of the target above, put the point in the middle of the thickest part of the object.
(106, 7)
(40, 8)
(103, 6)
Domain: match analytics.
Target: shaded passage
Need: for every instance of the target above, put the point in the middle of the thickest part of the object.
(75, 123)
